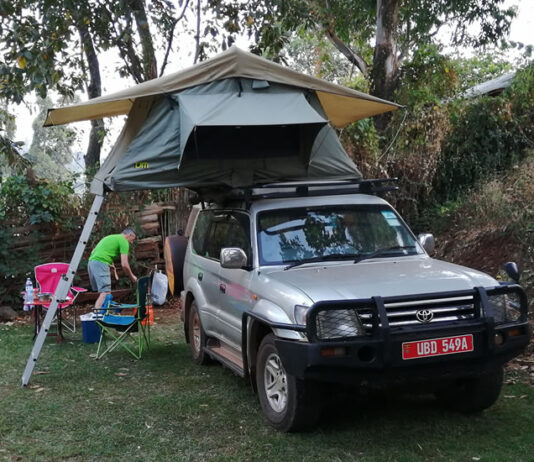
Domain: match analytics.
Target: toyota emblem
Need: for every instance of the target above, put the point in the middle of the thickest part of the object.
(424, 316)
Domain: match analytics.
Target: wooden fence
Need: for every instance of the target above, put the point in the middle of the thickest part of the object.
(50, 243)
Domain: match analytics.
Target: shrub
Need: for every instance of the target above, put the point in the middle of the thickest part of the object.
(484, 139)
(26, 206)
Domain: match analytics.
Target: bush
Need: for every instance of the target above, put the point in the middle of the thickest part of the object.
(441, 150)
(484, 140)
(25, 201)
(32, 201)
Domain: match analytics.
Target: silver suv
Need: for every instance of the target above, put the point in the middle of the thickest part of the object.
(297, 285)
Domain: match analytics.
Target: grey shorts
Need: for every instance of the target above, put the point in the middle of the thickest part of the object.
(100, 276)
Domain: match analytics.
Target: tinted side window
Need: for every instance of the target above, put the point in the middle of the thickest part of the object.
(227, 229)
(216, 237)
(200, 233)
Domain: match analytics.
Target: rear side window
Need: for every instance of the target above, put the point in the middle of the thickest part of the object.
(200, 233)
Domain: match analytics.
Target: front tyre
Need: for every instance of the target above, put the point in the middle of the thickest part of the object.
(288, 403)
(473, 394)
(197, 337)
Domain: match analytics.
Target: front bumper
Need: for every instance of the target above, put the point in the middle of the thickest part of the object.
(377, 358)
(380, 360)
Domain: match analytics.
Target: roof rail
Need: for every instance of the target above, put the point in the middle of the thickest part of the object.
(301, 189)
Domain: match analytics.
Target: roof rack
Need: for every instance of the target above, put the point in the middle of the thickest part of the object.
(301, 189)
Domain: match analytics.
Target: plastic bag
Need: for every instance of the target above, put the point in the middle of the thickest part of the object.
(160, 285)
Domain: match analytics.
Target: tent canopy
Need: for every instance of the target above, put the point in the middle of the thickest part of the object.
(340, 104)
(234, 120)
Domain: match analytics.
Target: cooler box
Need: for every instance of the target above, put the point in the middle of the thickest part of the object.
(90, 331)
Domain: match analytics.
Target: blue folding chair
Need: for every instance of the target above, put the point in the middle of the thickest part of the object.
(120, 327)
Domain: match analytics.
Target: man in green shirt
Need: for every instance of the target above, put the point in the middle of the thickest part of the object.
(102, 258)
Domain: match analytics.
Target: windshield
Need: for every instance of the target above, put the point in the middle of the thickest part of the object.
(323, 233)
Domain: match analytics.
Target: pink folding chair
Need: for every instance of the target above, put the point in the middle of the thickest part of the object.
(47, 277)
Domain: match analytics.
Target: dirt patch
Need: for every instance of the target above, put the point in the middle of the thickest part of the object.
(169, 313)
(486, 251)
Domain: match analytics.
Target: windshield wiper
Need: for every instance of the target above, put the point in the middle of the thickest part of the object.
(380, 252)
(333, 256)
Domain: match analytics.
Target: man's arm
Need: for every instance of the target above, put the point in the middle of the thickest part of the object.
(126, 267)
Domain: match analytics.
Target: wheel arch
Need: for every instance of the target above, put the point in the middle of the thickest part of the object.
(189, 298)
(257, 331)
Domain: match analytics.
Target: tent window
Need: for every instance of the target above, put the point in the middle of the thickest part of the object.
(251, 141)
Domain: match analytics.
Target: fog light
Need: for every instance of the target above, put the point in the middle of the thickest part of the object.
(329, 352)
(499, 338)
(515, 332)
(333, 324)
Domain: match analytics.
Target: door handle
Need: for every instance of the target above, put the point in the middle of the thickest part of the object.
(200, 276)
(222, 288)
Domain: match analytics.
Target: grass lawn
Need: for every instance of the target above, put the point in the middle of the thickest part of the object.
(164, 408)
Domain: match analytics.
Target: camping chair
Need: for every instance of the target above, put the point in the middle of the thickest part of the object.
(47, 277)
(119, 327)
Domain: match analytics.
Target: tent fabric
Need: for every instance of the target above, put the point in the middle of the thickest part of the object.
(232, 109)
(341, 105)
(227, 104)
(231, 132)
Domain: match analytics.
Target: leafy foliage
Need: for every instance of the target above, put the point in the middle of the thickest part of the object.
(35, 202)
(353, 26)
(25, 201)
(55, 45)
(428, 79)
(38, 57)
(484, 140)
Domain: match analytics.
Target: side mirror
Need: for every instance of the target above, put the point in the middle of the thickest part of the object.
(233, 257)
(512, 270)
(428, 242)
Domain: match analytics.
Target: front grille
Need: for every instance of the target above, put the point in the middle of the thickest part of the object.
(350, 321)
(438, 310)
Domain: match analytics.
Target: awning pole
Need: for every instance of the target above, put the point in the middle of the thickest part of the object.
(62, 289)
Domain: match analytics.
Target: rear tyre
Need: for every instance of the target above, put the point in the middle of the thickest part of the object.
(472, 394)
(288, 403)
(197, 337)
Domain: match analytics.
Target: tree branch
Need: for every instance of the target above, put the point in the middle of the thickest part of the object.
(197, 36)
(350, 54)
(328, 27)
(171, 38)
(127, 52)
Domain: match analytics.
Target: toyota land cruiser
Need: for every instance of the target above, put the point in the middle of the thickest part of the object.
(292, 285)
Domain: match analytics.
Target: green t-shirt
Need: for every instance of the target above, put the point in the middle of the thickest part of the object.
(109, 247)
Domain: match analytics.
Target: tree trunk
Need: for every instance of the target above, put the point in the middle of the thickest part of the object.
(385, 62)
(94, 90)
(150, 68)
(92, 155)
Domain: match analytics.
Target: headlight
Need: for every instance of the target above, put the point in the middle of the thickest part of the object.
(300, 314)
(333, 324)
(506, 308)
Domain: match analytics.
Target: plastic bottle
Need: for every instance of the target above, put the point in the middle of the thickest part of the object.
(28, 296)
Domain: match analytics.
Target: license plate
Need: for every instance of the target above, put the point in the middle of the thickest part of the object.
(437, 347)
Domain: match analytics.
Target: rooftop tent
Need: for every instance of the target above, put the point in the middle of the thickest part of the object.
(234, 132)
(231, 120)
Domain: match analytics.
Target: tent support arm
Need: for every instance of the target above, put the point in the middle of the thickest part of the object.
(62, 288)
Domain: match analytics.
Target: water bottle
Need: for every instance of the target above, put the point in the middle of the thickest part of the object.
(28, 297)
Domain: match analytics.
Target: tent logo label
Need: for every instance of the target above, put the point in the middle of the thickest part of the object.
(141, 165)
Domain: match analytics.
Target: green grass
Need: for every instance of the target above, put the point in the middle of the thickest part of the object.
(164, 408)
